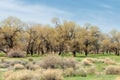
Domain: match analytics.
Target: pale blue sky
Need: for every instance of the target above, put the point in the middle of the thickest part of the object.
(103, 13)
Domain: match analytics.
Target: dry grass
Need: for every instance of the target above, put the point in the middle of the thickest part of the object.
(30, 66)
(19, 67)
(100, 60)
(4, 65)
(80, 72)
(91, 70)
(50, 61)
(2, 60)
(75, 72)
(52, 74)
(68, 72)
(92, 60)
(86, 62)
(113, 70)
(21, 75)
(118, 78)
(109, 61)
(57, 62)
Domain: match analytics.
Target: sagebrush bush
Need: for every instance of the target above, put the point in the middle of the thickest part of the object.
(86, 62)
(30, 59)
(52, 74)
(4, 65)
(112, 70)
(31, 66)
(12, 63)
(19, 67)
(55, 61)
(92, 60)
(21, 75)
(109, 61)
(75, 72)
(50, 61)
(68, 72)
(100, 60)
(16, 53)
(2, 60)
(78, 65)
(80, 72)
(91, 70)
(68, 63)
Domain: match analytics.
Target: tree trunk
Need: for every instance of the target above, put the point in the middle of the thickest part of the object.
(60, 52)
(86, 52)
(74, 53)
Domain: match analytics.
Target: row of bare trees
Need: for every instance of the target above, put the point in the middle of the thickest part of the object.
(63, 37)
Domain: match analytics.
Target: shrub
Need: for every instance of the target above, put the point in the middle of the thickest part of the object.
(91, 70)
(78, 65)
(21, 75)
(100, 60)
(68, 63)
(4, 65)
(109, 61)
(86, 62)
(36, 67)
(12, 63)
(80, 72)
(52, 74)
(55, 61)
(50, 61)
(68, 72)
(92, 60)
(16, 53)
(2, 60)
(30, 59)
(113, 70)
(77, 72)
(18, 67)
(30, 66)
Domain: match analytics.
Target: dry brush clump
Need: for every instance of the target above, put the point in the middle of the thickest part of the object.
(109, 61)
(2, 60)
(52, 74)
(31, 66)
(18, 67)
(91, 70)
(68, 72)
(55, 61)
(86, 62)
(48, 74)
(50, 61)
(68, 63)
(21, 75)
(16, 53)
(78, 71)
(112, 70)
(4, 65)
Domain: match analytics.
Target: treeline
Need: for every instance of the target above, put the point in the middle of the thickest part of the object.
(63, 37)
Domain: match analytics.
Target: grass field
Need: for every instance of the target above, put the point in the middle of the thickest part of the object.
(80, 57)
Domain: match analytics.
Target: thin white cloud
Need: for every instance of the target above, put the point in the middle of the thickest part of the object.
(106, 6)
(34, 13)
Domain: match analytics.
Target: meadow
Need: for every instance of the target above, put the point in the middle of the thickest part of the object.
(92, 67)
